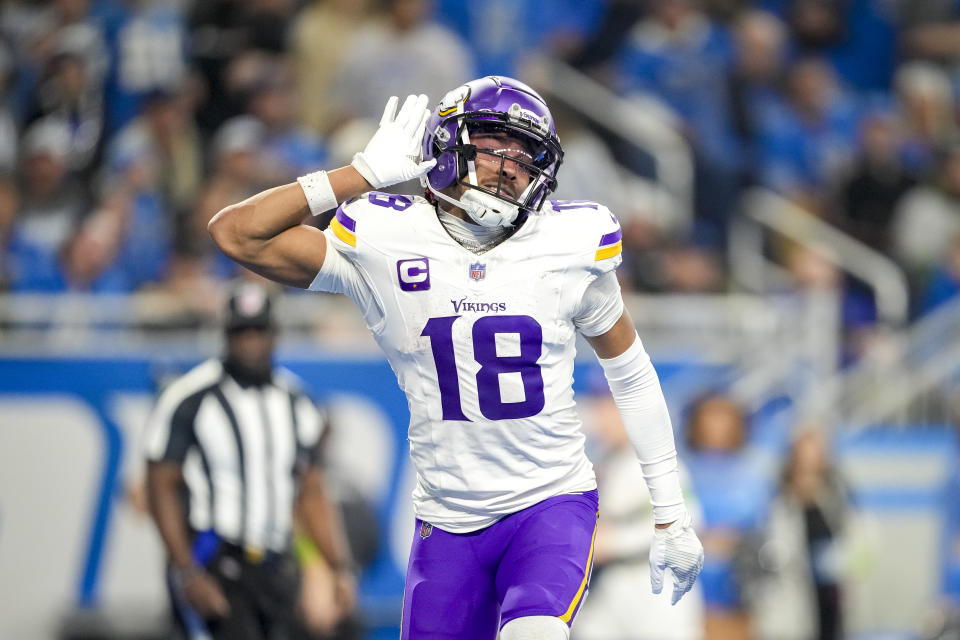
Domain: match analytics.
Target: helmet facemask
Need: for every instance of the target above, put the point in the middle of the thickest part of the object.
(539, 159)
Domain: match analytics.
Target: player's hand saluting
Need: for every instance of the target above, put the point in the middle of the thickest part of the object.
(678, 548)
(393, 153)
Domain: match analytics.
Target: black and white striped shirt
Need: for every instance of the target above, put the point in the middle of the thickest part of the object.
(242, 449)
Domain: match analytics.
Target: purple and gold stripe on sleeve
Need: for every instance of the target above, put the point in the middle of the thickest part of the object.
(610, 245)
(344, 227)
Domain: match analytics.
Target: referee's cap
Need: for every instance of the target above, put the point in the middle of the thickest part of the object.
(249, 305)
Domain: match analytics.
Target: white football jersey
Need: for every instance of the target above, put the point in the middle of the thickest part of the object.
(482, 345)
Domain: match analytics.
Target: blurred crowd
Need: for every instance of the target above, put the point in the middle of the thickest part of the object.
(126, 124)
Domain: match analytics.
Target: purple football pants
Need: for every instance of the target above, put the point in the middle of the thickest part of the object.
(535, 562)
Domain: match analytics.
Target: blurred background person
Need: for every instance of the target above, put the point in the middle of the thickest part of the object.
(51, 202)
(621, 605)
(927, 218)
(760, 43)
(146, 42)
(925, 104)
(321, 35)
(243, 438)
(165, 135)
(236, 154)
(290, 149)
(395, 52)
(71, 89)
(800, 595)
(867, 196)
(808, 135)
(733, 484)
(503, 35)
(679, 58)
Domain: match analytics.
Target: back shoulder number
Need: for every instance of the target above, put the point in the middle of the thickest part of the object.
(344, 223)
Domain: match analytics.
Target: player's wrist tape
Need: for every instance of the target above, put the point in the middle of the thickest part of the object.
(316, 187)
(636, 390)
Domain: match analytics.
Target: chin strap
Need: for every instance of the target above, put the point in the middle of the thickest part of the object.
(483, 208)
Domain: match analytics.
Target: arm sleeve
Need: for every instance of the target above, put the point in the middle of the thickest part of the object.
(600, 307)
(636, 390)
(340, 275)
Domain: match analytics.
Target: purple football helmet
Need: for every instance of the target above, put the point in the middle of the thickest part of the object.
(493, 103)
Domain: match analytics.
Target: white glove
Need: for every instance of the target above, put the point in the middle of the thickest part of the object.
(676, 547)
(393, 153)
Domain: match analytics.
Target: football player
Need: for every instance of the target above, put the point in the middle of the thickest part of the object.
(475, 293)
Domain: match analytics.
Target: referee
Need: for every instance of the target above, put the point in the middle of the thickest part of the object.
(233, 461)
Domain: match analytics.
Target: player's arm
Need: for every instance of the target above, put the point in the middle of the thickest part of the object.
(639, 397)
(321, 521)
(168, 437)
(265, 232)
(164, 479)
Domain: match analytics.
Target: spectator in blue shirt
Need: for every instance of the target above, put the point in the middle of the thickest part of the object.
(678, 56)
(52, 204)
(760, 40)
(808, 137)
(734, 483)
(502, 33)
(289, 150)
(147, 44)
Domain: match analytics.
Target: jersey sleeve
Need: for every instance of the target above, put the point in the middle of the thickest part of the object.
(341, 272)
(343, 228)
(606, 233)
(601, 305)
(598, 239)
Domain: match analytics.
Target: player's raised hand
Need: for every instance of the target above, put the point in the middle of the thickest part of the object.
(678, 548)
(393, 153)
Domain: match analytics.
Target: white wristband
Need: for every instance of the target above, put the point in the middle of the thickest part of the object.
(316, 187)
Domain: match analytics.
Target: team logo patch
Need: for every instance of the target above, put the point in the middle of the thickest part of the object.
(425, 530)
(413, 274)
(478, 271)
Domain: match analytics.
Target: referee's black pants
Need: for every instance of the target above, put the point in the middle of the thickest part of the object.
(262, 591)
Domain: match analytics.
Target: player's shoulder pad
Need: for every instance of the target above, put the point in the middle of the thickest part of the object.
(349, 221)
(597, 225)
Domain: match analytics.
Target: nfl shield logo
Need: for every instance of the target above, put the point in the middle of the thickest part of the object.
(425, 530)
(478, 271)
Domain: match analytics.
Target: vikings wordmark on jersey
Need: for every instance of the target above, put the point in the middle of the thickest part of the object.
(481, 345)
